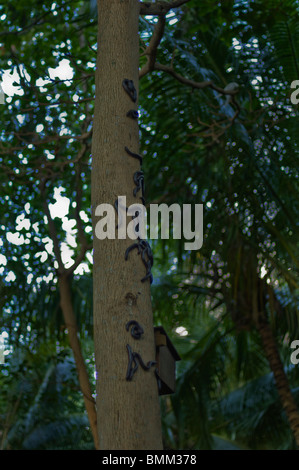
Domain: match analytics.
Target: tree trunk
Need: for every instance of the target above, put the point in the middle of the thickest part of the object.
(71, 324)
(282, 384)
(127, 410)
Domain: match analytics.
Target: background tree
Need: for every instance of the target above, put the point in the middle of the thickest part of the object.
(46, 154)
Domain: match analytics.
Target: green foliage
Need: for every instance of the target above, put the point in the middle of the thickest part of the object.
(42, 393)
(245, 172)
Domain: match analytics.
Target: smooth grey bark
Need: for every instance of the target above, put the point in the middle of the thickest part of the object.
(128, 412)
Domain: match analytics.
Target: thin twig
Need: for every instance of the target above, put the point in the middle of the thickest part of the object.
(151, 50)
(193, 83)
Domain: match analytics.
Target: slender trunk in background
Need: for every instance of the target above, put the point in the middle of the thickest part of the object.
(71, 325)
(128, 412)
(282, 384)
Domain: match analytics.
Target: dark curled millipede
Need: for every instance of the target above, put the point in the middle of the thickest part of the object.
(129, 87)
(134, 360)
(134, 155)
(136, 329)
(133, 114)
(138, 178)
(146, 253)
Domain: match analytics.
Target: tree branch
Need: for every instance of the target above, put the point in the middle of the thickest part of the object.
(193, 83)
(78, 260)
(151, 50)
(159, 8)
(56, 245)
(52, 229)
(81, 233)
